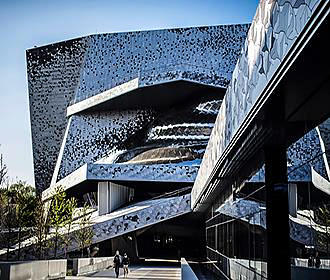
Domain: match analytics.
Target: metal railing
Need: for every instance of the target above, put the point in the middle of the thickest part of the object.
(173, 193)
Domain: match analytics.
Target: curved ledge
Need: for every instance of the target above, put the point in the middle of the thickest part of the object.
(175, 173)
(141, 92)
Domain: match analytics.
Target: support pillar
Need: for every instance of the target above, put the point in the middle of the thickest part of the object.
(277, 213)
(293, 203)
(103, 198)
(111, 196)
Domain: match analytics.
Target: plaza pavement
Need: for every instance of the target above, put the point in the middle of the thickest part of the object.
(147, 271)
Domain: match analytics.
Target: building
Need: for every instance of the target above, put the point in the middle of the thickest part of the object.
(264, 148)
(122, 121)
(190, 134)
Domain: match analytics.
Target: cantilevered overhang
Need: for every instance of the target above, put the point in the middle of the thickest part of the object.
(169, 173)
(135, 94)
(289, 65)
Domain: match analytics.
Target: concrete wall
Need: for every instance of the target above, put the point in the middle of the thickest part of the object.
(34, 270)
(308, 273)
(304, 262)
(111, 196)
(118, 195)
(257, 270)
(88, 265)
(243, 269)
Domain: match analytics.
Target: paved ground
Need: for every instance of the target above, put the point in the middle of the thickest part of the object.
(152, 271)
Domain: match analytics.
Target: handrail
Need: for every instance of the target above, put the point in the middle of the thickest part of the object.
(251, 268)
(173, 193)
(236, 261)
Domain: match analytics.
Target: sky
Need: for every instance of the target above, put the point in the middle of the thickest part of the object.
(25, 24)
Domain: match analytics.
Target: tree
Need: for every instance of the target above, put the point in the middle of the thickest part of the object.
(323, 215)
(67, 237)
(3, 171)
(17, 202)
(84, 233)
(25, 201)
(60, 219)
(9, 218)
(40, 226)
(7, 213)
(3, 204)
(57, 217)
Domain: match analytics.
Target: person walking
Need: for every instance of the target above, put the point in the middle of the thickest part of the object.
(125, 264)
(117, 261)
(317, 260)
(311, 261)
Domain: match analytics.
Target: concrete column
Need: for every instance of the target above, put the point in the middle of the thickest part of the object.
(277, 214)
(103, 198)
(111, 196)
(118, 195)
(293, 200)
(276, 180)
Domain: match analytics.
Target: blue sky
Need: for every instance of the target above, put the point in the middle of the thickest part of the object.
(24, 24)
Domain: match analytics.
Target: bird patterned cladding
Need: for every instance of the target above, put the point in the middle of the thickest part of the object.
(71, 71)
(203, 54)
(53, 76)
(275, 28)
(92, 136)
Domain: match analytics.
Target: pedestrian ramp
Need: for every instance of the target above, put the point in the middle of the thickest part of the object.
(122, 221)
(135, 217)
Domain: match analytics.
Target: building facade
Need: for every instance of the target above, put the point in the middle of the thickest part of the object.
(122, 120)
(217, 136)
(263, 183)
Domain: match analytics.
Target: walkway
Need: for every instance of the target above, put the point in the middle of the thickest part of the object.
(153, 271)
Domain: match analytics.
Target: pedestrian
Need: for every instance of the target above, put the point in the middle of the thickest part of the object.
(317, 260)
(117, 261)
(125, 264)
(311, 261)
